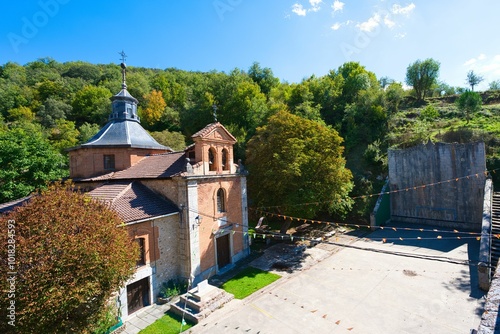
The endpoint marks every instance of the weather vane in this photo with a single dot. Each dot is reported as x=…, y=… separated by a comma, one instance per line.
x=215, y=112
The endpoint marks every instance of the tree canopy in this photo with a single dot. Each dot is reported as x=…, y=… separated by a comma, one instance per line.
x=293, y=161
x=473, y=79
x=469, y=103
x=28, y=161
x=421, y=75
x=70, y=256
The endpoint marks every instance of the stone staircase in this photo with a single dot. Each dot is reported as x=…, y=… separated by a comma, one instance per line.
x=200, y=302
x=495, y=230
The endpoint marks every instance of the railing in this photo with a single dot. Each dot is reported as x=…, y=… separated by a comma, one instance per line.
x=484, y=265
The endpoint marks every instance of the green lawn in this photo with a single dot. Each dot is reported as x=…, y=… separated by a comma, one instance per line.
x=168, y=324
x=248, y=281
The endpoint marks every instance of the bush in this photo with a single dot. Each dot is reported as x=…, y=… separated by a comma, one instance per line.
x=172, y=288
x=429, y=113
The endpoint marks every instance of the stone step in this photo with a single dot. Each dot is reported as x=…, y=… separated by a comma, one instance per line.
x=495, y=229
x=196, y=303
x=200, y=302
x=194, y=313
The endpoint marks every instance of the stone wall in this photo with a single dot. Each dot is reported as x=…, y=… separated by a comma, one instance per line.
x=168, y=264
x=438, y=184
x=490, y=321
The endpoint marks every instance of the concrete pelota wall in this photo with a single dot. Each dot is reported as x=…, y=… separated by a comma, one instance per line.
x=438, y=184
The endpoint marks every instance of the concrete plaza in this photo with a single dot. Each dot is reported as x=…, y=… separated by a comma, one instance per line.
x=413, y=282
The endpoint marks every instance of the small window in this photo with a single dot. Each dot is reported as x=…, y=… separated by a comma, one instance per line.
x=211, y=160
x=141, y=261
x=221, y=200
x=109, y=162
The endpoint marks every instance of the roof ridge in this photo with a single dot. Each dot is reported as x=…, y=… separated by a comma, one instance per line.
x=164, y=153
x=123, y=192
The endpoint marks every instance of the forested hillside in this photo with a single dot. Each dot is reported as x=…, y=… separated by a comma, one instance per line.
x=47, y=106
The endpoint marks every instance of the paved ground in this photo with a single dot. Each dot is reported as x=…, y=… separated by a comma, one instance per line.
x=144, y=318
x=405, y=285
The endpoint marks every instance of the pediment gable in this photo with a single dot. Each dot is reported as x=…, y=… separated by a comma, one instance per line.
x=214, y=132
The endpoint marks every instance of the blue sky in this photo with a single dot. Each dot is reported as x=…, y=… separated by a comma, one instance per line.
x=295, y=38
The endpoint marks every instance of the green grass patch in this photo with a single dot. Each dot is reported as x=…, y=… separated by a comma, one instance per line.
x=248, y=281
x=168, y=324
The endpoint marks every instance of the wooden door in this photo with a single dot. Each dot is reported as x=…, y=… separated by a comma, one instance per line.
x=223, y=251
x=137, y=295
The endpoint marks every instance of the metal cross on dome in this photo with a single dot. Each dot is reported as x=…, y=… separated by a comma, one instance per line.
x=124, y=56
x=123, y=66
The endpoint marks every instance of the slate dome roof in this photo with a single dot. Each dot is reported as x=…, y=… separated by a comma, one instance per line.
x=124, y=127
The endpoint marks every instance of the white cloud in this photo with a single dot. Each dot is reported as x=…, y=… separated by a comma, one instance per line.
x=299, y=9
x=388, y=19
x=488, y=67
x=400, y=35
x=315, y=5
x=338, y=6
x=370, y=25
x=473, y=61
x=336, y=26
x=470, y=62
x=388, y=22
x=397, y=9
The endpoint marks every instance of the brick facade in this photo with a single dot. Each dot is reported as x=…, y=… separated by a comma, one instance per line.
x=89, y=162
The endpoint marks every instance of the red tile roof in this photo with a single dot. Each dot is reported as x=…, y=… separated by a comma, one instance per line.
x=155, y=166
x=133, y=201
x=150, y=167
x=211, y=127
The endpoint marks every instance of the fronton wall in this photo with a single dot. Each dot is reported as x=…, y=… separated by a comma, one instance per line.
x=438, y=184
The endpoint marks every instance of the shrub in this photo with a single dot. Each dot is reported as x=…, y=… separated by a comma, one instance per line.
x=429, y=113
x=172, y=288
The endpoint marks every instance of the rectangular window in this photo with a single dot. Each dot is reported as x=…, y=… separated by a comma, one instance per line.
x=141, y=261
x=109, y=162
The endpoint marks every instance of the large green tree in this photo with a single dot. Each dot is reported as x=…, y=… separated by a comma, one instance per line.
x=92, y=105
x=28, y=161
x=469, y=103
x=263, y=77
x=70, y=257
x=52, y=110
x=294, y=161
x=172, y=139
x=356, y=80
x=421, y=75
